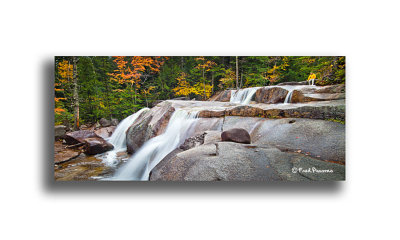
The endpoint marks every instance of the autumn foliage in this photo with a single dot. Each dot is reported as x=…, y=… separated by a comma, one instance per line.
x=115, y=87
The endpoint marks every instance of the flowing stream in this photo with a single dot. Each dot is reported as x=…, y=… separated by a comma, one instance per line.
x=243, y=96
x=118, y=138
x=290, y=89
x=154, y=150
x=180, y=126
x=288, y=97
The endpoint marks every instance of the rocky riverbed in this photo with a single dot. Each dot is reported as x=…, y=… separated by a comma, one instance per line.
x=299, y=141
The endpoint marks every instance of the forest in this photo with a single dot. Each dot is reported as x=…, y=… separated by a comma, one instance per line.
x=88, y=88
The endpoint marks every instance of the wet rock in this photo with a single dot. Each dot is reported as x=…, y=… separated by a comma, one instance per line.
x=82, y=168
x=222, y=96
x=148, y=125
x=244, y=111
x=114, y=122
x=62, y=154
x=96, y=145
x=238, y=135
x=332, y=109
x=76, y=137
x=211, y=113
x=59, y=131
x=138, y=133
x=104, y=122
x=271, y=95
x=105, y=132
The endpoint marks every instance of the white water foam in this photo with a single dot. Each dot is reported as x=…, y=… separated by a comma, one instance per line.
x=288, y=97
x=153, y=151
x=291, y=88
x=243, y=96
x=118, y=138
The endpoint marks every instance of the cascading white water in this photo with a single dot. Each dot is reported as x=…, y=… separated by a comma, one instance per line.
x=153, y=151
x=118, y=138
x=288, y=97
x=291, y=88
x=243, y=96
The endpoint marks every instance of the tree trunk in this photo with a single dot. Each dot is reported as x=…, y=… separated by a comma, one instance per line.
x=145, y=96
x=75, y=93
x=204, y=85
x=241, y=79
x=237, y=73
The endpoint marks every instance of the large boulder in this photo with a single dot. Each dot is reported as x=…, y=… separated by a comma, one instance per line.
x=228, y=161
x=222, y=96
x=104, y=122
x=238, y=135
x=105, y=132
x=59, y=131
x=138, y=133
x=148, y=125
x=271, y=95
x=79, y=136
x=324, y=140
x=96, y=145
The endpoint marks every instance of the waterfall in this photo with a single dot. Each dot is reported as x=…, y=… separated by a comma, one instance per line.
x=290, y=89
x=243, y=96
x=118, y=138
x=154, y=150
x=288, y=97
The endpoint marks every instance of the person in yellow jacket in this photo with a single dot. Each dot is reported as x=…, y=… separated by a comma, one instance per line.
x=311, y=78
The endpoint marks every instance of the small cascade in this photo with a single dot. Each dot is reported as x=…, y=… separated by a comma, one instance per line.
x=243, y=96
x=153, y=151
x=288, y=97
x=118, y=138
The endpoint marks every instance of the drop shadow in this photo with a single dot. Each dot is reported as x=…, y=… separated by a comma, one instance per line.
x=50, y=186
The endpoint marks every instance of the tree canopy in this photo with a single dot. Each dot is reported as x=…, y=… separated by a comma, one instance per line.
x=115, y=87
